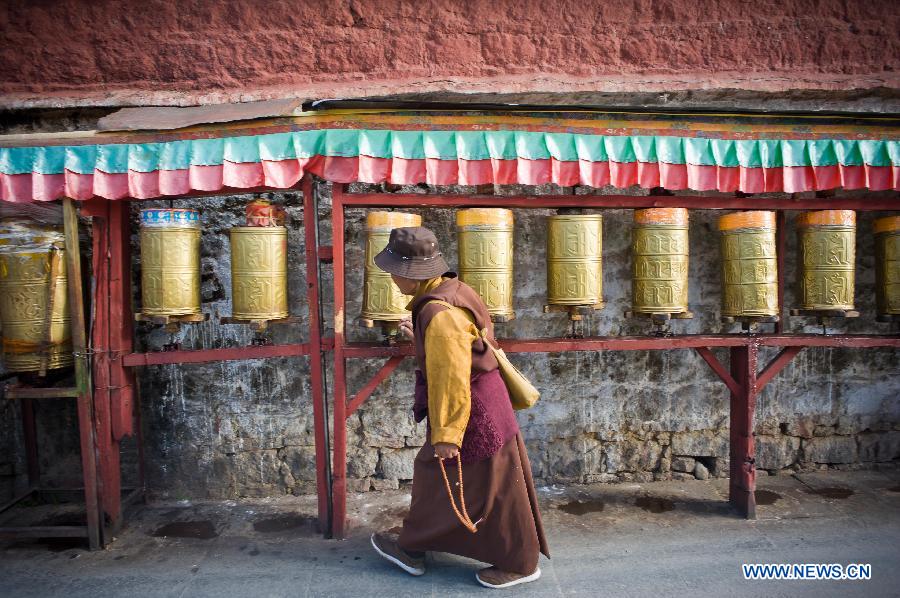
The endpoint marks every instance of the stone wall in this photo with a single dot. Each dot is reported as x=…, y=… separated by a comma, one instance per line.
x=233, y=429
x=156, y=52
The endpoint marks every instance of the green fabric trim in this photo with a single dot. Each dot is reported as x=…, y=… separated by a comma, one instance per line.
x=448, y=145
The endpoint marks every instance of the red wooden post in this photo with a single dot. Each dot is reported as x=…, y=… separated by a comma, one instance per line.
x=742, y=481
x=121, y=321
x=109, y=467
x=339, y=465
x=320, y=411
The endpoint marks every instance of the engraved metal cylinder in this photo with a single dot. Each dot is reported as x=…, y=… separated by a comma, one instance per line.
x=827, y=258
x=659, y=283
x=34, y=336
x=887, y=265
x=259, y=272
x=170, y=262
x=382, y=300
x=574, y=265
x=486, y=256
x=749, y=264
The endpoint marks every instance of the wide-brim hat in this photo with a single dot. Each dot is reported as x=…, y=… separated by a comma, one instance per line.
x=412, y=252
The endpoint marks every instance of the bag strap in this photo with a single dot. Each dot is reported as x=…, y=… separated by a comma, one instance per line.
x=483, y=331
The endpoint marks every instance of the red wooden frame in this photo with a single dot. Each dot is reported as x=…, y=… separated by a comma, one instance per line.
x=115, y=399
x=743, y=381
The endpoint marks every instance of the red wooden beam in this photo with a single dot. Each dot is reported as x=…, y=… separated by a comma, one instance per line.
x=223, y=354
x=646, y=343
x=372, y=384
x=855, y=341
x=710, y=358
x=724, y=202
x=783, y=358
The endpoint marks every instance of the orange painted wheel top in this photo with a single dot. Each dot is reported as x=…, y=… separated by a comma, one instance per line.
x=827, y=218
x=380, y=219
x=888, y=224
x=736, y=220
x=670, y=216
x=482, y=216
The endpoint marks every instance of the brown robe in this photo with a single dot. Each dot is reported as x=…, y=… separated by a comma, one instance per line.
x=499, y=489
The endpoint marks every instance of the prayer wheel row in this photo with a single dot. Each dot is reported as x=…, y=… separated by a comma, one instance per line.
x=34, y=301
x=660, y=261
x=170, y=263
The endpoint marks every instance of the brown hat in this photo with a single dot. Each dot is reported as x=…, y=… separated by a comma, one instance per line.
x=412, y=252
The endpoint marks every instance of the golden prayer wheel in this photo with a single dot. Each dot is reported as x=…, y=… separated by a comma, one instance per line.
x=827, y=258
x=887, y=265
x=574, y=266
x=659, y=283
x=259, y=272
x=486, y=256
x=170, y=262
x=36, y=326
x=382, y=300
x=749, y=265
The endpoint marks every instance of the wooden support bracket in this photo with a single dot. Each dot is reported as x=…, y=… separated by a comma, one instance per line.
x=367, y=390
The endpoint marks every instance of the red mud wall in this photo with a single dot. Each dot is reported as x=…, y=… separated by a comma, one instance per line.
x=151, y=51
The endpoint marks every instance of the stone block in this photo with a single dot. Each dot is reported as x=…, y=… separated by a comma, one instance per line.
x=683, y=464
x=397, y=464
x=302, y=462
x=700, y=471
x=830, y=449
x=573, y=458
x=879, y=446
x=379, y=484
x=776, y=452
x=386, y=426
x=632, y=455
x=361, y=462
x=701, y=443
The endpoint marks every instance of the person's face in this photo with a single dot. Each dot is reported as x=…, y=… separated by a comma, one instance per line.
x=407, y=286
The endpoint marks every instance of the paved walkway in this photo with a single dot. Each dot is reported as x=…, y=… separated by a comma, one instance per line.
x=664, y=538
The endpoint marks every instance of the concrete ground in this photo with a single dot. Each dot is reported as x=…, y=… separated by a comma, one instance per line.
x=663, y=538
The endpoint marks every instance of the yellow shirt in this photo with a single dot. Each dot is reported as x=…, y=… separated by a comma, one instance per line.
x=448, y=369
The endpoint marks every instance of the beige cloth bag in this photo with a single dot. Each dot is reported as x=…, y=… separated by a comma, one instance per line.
x=522, y=393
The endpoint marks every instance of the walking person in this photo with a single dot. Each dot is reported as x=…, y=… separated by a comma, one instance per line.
x=459, y=390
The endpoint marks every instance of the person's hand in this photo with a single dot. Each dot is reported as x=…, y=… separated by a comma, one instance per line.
x=445, y=450
x=406, y=329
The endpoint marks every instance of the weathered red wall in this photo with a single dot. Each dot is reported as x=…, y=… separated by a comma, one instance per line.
x=71, y=51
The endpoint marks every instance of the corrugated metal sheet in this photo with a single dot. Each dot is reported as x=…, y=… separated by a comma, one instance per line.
x=158, y=118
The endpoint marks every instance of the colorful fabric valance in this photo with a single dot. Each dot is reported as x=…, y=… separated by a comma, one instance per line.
x=466, y=154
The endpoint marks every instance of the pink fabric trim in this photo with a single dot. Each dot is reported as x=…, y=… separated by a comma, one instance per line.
x=702, y=178
x=593, y=174
x=374, y=170
x=441, y=172
x=242, y=175
x=407, y=172
x=673, y=176
x=533, y=172
x=565, y=174
x=622, y=174
x=286, y=173
x=504, y=171
x=475, y=172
